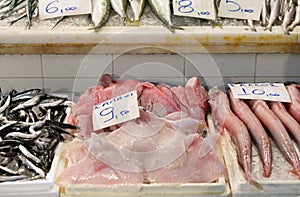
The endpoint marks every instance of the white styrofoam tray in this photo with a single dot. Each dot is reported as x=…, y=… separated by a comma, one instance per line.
x=34, y=185
x=218, y=188
x=280, y=183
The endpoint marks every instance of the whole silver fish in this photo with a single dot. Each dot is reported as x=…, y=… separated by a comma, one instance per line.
x=289, y=14
x=137, y=7
x=100, y=12
x=296, y=21
x=278, y=131
x=120, y=6
x=162, y=10
x=275, y=10
x=265, y=12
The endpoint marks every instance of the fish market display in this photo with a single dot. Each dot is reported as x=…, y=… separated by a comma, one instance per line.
x=285, y=13
x=265, y=120
x=31, y=125
x=168, y=143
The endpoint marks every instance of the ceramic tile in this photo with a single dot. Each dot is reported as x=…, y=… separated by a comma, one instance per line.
x=76, y=65
x=20, y=66
x=140, y=66
x=278, y=65
x=20, y=84
x=220, y=65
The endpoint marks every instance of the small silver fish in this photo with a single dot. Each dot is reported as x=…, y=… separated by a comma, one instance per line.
x=251, y=25
x=120, y=6
x=100, y=12
x=162, y=10
x=289, y=14
x=28, y=154
x=297, y=18
x=137, y=7
x=275, y=10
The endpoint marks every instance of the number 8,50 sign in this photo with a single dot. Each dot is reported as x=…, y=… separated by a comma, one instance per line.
x=56, y=8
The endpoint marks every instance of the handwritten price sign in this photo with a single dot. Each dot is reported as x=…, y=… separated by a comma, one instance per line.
x=241, y=9
x=116, y=110
x=195, y=8
x=57, y=8
x=263, y=91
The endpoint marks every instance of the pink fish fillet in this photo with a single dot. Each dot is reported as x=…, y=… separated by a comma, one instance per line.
x=280, y=134
x=294, y=107
x=287, y=120
x=154, y=100
x=257, y=131
x=224, y=118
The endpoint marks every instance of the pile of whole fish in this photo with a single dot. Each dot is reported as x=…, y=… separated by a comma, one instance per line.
x=31, y=127
x=274, y=12
x=257, y=119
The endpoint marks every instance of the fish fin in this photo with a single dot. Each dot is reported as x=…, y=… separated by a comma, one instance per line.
x=256, y=184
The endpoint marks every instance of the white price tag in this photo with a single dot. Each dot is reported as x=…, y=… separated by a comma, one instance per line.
x=195, y=8
x=262, y=91
x=240, y=9
x=116, y=110
x=57, y=8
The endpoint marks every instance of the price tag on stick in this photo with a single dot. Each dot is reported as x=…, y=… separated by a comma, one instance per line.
x=240, y=9
x=262, y=91
x=56, y=8
x=195, y=8
x=116, y=110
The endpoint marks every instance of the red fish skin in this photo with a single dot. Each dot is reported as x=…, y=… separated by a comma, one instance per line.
x=225, y=118
x=294, y=107
x=278, y=131
x=257, y=131
x=287, y=120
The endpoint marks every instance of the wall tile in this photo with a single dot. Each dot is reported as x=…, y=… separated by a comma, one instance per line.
x=220, y=65
x=20, y=84
x=278, y=65
x=20, y=66
x=278, y=79
x=76, y=65
x=140, y=66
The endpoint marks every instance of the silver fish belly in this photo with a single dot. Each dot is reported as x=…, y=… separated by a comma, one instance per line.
x=137, y=7
x=100, y=12
x=120, y=6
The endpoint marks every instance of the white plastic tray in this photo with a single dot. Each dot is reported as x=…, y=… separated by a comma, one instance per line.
x=33, y=185
x=280, y=183
x=218, y=188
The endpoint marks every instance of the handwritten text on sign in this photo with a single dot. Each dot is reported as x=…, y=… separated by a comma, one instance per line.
x=195, y=8
x=241, y=9
x=263, y=91
x=116, y=110
x=57, y=8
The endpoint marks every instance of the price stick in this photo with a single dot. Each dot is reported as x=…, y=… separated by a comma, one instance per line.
x=262, y=91
x=56, y=8
x=240, y=9
x=195, y=8
x=116, y=110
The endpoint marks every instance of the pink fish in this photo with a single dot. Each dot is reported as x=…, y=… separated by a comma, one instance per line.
x=280, y=134
x=294, y=107
x=287, y=120
x=257, y=131
x=224, y=118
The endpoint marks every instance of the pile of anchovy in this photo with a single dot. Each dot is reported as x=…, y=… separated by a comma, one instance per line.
x=31, y=127
x=274, y=12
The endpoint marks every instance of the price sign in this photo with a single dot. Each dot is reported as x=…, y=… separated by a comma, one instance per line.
x=263, y=91
x=241, y=9
x=116, y=110
x=56, y=8
x=195, y=8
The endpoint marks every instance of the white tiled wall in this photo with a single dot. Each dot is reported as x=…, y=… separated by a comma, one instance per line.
x=74, y=73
